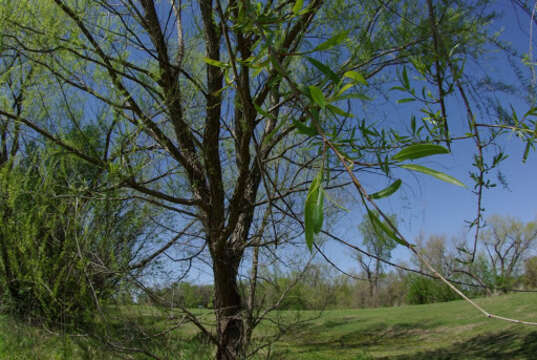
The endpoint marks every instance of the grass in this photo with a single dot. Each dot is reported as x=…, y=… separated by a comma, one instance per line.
x=451, y=330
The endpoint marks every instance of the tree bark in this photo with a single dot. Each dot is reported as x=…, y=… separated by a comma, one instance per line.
x=228, y=305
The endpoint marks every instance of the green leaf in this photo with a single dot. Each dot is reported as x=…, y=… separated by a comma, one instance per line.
x=387, y=191
x=355, y=96
x=324, y=69
x=319, y=211
x=276, y=64
x=333, y=41
x=317, y=96
x=336, y=203
x=304, y=129
x=298, y=6
x=214, y=62
x=406, y=83
x=531, y=112
x=263, y=112
x=527, y=149
x=338, y=111
x=405, y=100
x=313, y=212
x=435, y=173
x=380, y=226
x=344, y=88
x=418, y=151
x=356, y=76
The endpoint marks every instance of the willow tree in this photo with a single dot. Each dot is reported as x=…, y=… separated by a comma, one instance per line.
x=203, y=101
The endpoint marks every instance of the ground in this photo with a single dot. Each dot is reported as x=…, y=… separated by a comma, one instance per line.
x=451, y=330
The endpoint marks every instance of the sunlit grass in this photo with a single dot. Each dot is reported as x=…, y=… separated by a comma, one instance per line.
x=451, y=330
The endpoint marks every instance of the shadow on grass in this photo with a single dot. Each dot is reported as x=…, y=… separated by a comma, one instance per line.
x=141, y=337
x=374, y=334
x=504, y=345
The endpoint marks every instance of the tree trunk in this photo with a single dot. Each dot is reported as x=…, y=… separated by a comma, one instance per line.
x=228, y=306
x=370, y=283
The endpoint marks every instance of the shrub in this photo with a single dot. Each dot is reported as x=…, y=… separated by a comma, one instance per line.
x=422, y=290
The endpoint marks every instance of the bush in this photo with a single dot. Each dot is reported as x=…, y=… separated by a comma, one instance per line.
x=422, y=290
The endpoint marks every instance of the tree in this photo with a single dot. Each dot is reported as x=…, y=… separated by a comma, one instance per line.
x=378, y=243
x=530, y=273
x=435, y=250
x=507, y=242
x=217, y=111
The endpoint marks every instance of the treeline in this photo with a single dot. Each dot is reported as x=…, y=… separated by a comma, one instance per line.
x=320, y=287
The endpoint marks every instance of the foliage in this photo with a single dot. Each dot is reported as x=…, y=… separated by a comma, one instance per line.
x=62, y=255
x=182, y=295
x=20, y=340
x=508, y=243
x=530, y=273
x=379, y=245
x=422, y=290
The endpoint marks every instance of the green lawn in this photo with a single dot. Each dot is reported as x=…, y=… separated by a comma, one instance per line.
x=439, y=331
x=453, y=330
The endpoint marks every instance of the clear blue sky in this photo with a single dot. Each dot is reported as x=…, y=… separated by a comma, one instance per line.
x=425, y=204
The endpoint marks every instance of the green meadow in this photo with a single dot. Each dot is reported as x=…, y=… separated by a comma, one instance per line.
x=452, y=330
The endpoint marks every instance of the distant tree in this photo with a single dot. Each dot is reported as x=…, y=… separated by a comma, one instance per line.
x=379, y=244
x=530, y=273
x=436, y=252
x=507, y=242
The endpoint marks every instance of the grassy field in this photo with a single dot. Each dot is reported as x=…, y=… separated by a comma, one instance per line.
x=439, y=331
x=451, y=330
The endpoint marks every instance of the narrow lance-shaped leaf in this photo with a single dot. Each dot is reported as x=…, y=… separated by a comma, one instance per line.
x=405, y=100
x=435, y=173
x=313, y=212
x=319, y=211
x=418, y=151
x=304, y=129
x=317, y=96
x=380, y=226
x=333, y=41
x=338, y=111
x=354, y=96
x=324, y=69
x=406, y=83
x=527, y=149
x=214, y=62
x=356, y=77
x=387, y=191
x=344, y=88
x=298, y=6
x=263, y=112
